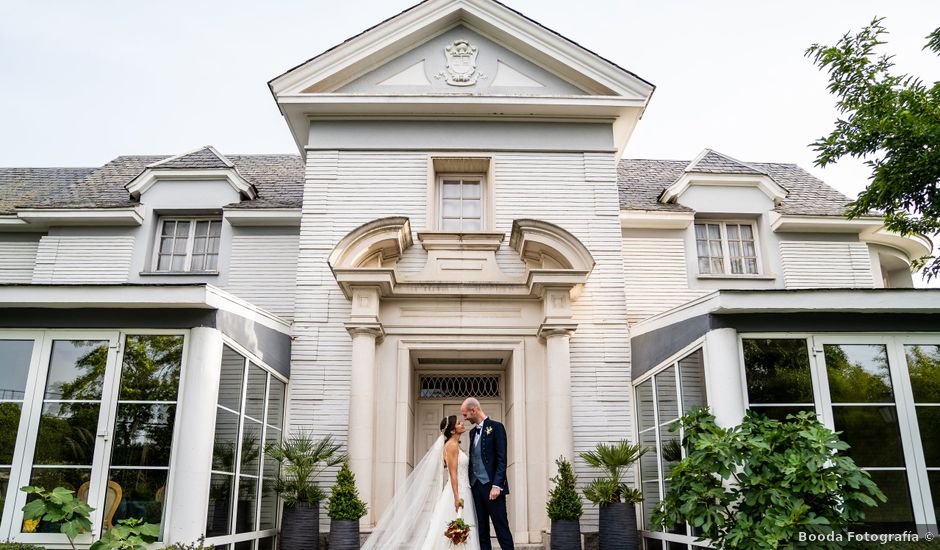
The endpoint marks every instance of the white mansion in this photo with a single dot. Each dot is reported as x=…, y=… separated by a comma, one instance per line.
x=459, y=221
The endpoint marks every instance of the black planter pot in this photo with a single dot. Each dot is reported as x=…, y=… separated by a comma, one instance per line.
x=566, y=534
x=344, y=534
x=617, y=529
x=300, y=527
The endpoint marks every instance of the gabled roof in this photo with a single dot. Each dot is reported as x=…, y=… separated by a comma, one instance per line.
x=710, y=161
x=204, y=157
x=278, y=179
x=642, y=181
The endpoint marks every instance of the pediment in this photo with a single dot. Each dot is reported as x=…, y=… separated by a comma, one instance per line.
x=393, y=50
x=487, y=68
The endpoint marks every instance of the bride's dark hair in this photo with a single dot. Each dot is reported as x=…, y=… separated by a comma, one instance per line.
x=449, y=425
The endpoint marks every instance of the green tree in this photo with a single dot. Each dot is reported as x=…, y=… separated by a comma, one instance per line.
x=344, y=501
x=757, y=485
x=563, y=500
x=892, y=121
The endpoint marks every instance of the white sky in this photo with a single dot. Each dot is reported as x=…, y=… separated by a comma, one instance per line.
x=83, y=82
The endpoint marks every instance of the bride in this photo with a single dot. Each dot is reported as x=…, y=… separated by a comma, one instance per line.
x=421, y=510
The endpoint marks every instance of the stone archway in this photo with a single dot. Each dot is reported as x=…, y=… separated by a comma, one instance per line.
x=461, y=269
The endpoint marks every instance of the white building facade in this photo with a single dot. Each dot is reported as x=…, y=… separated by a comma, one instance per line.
x=459, y=222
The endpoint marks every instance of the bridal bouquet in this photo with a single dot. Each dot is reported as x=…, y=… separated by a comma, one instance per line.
x=457, y=530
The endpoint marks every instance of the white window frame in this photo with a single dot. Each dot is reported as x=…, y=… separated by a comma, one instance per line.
x=726, y=248
x=908, y=428
x=650, y=376
x=101, y=463
x=253, y=536
x=190, y=243
x=481, y=176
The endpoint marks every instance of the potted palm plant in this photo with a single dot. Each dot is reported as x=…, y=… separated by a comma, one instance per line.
x=564, y=509
x=302, y=458
x=345, y=508
x=617, y=529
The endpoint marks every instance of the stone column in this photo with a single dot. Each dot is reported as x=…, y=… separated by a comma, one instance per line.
x=560, y=437
x=366, y=331
x=557, y=328
x=189, y=486
x=723, y=373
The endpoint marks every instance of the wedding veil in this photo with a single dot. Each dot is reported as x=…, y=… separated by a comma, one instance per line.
x=406, y=520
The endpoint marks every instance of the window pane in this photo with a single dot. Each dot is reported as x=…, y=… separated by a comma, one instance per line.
x=692, y=380
x=220, y=505
x=151, y=367
x=472, y=209
x=450, y=225
x=472, y=225
x=202, y=228
x=872, y=433
x=143, y=435
x=182, y=229
x=934, y=480
x=667, y=398
x=649, y=463
x=180, y=245
x=732, y=232
x=266, y=544
x=4, y=484
x=714, y=231
x=76, y=369
x=245, y=520
x=268, y=505
x=858, y=373
x=215, y=230
x=276, y=403
x=257, y=387
x=212, y=262
x=895, y=515
x=747, y=232
x=67, y=433
x=14, y=367
x=143, y=494
x=230, y=382
x=777, y=371
x=700, y=232
x=251, y=447
x=451, y=189
x=226, y=432
x=169, y=228
x=9, y=426
x=451, y=208
x=471, y=190
x=923, y=362
x=271, y=467
x=928, y=418
x=644, y=403
x=178, y=263
x=164, y=263
x=650, y=499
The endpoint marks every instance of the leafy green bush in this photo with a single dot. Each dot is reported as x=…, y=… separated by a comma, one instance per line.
x=302, y=458
x=344, y=502
x=614, y=459
x=19, y=546
x=58, y=506
x=198, y=545
x=757, y=485
x=128, y=534
x=563, y=500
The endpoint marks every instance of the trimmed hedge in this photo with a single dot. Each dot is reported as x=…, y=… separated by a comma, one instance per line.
x=19, y=546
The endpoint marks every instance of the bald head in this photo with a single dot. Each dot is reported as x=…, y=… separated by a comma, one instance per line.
x=471, y=410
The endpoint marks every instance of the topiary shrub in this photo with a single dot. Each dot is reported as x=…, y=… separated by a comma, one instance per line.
x=563, y=500
x=344, y=503
x=758, y=485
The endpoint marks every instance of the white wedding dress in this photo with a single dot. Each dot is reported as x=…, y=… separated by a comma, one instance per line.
x=444, y=510
x=423, y=507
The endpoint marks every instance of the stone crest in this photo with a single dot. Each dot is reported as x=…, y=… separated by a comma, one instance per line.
x=461, y=65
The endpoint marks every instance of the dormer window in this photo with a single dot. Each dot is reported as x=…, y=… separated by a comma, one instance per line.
x=189, y=244
x=726, y=247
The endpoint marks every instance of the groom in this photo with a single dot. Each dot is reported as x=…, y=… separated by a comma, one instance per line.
x=488, y=475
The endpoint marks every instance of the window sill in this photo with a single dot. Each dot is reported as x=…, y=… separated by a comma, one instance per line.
x=179, y=273
x=739, y=277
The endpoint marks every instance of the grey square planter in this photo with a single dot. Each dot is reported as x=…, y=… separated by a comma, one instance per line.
x=344, y=534
x=617, y=528
x=566, y=534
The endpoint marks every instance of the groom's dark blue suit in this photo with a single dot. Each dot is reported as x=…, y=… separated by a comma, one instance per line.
x=491, y=450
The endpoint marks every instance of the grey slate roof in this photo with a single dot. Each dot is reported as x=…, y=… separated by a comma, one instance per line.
x=278, y=179
x=713, y=162
x=642, y=181
x=206, y=157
